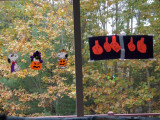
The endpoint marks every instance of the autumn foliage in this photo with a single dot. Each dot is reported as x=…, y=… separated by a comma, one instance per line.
x=128, y=86
x=31, y=26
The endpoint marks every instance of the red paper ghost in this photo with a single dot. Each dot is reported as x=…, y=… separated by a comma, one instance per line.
x=114, y=45
x=141, y=46
x=131, y=45
x=97, y=49
x=107, y=46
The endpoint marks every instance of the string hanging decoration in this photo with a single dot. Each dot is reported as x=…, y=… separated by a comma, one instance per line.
x=36, y=61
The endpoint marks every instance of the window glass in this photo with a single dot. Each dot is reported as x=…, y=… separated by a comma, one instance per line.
x=37, y=72
x=121, y=86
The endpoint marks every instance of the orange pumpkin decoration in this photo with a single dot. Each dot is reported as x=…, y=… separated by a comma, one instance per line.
x=115, y=45
x=141, y=46
x=131, y=45
x=62, y=62
x=35, y=65
x=107, y=46
x=97, y=49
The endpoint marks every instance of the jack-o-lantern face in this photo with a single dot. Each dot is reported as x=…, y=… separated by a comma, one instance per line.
x=36, y=65
x=97, y=49
x=62, y=62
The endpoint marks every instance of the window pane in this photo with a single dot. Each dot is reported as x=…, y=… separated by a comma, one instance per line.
x=121, y=86
x=37, y=77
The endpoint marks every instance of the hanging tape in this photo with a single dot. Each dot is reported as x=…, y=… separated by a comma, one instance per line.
x=122, y=47
x=90, y=60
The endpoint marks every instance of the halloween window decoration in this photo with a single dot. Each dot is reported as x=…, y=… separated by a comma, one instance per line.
x=131, y=45
x=115, y=45
x=36, y=61
x=97, y=49
x=121, y=47
x=12, y=59
x=107, y=46
x=62, y=59
x=141, y=46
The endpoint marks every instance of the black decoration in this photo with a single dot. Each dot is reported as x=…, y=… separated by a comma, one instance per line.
x=142, y=47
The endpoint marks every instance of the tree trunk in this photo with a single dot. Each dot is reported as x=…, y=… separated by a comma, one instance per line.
x=106, y=68
x=52, y=111
x=132, y=20
x=115, y=69
x=129, y=80
x=128, y=30
x=57, y=110
x=112, y=25
x=117, y=18
x=138, y=19
x=106, y=19
x=124, y=73
x=82, y=32
x=150, y=102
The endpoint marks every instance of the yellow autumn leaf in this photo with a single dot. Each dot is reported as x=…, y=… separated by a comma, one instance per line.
x=23, y=60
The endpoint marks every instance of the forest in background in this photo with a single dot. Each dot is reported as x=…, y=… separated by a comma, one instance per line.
x=47, y=26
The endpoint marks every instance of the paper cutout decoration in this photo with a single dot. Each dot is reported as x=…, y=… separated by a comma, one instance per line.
x=106, y=51
x=114, y=47
x=131, y=45
x=107, y=46
x=36, y=65
x=12, y=59
x=141, y=46
x=62, y=59
x=62, y=62
x=97, y=49
x=36, y=61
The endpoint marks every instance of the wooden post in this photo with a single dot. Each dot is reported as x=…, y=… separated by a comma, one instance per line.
x=78, y=58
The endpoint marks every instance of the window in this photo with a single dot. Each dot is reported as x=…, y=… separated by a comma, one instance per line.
x=43, y=88
x=121, y=86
